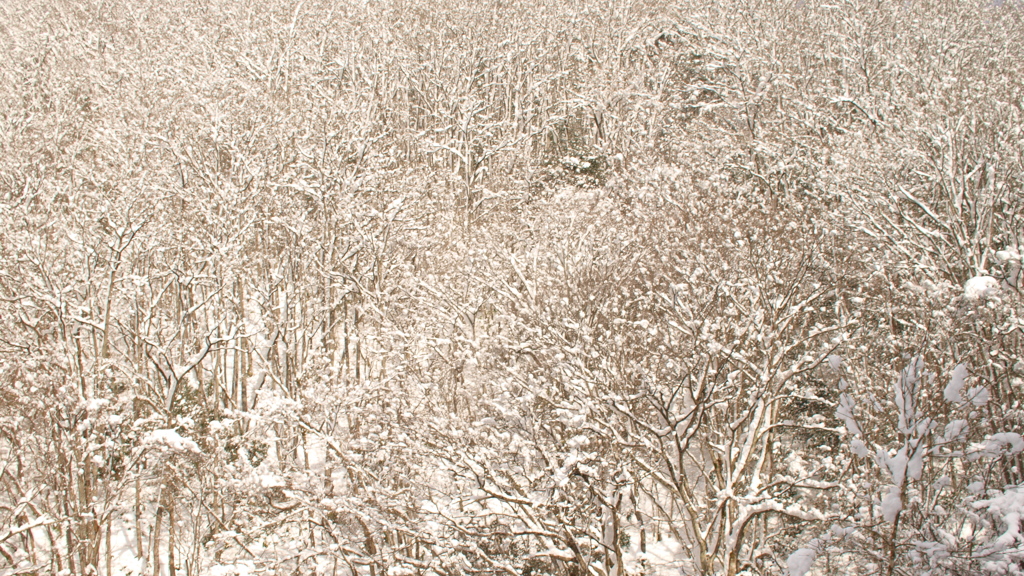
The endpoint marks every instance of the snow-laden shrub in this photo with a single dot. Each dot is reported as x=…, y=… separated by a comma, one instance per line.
x=934, y=490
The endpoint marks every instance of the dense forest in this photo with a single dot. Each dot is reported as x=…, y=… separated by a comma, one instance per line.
x=531, y=287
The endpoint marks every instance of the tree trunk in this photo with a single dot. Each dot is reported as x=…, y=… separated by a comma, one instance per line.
x=170, y=538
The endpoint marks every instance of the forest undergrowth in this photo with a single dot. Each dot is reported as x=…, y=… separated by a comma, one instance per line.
x=529, y=288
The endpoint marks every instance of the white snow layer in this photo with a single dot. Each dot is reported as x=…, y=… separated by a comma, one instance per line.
x=955, y=430
x=892, y=504
x=845, y=413
x=661, y=558
x=898, y=466
x=979, y=395
x=240, y=568
x=858, y=447
x=1006, y=255
x=916, y=463
x=799, y=562
x=952, y=393
x=997, y=442
x=1009, y=507
x=835, y=361
x=170, y=439
x=981, y=287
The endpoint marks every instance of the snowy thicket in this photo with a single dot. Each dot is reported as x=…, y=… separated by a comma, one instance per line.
x=390, y=288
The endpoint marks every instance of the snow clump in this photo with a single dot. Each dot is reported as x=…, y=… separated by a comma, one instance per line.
x=892, y=504
x=799, y=562
x=170, y=439
x=952, y=393
x=981, y=287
